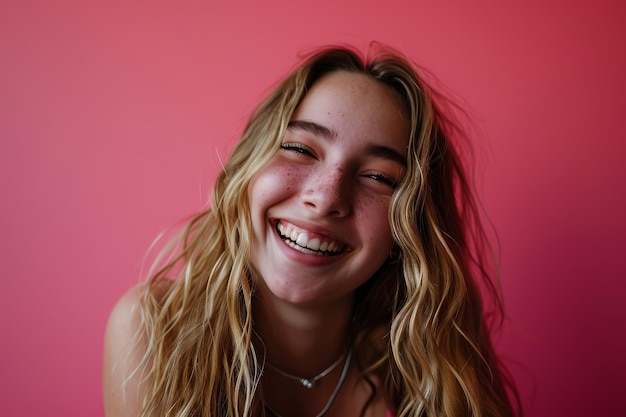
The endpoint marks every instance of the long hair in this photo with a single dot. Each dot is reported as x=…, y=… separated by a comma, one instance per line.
x=434, y=357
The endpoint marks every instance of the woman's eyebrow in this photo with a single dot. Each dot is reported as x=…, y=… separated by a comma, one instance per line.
x=386, y=152
x=313, y=128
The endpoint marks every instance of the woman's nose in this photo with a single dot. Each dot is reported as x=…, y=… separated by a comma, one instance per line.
x=327, y=192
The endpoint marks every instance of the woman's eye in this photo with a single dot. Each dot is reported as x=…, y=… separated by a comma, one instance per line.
x=383, y=179
x=299, y=149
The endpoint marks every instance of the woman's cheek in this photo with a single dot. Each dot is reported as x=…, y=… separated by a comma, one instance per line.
x=278, y=179
x=372, y=211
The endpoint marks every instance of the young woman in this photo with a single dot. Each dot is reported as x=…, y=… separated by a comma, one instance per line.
x=338, y=271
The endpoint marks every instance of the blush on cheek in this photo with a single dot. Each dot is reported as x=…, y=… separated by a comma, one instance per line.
x=374, y=209
x=373, y=213
x=285, y=172
x=274, y=182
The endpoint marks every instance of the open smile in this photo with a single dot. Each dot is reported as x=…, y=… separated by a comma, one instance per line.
x=308, y=242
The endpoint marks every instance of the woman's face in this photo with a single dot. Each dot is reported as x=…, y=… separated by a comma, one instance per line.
x=320, y=207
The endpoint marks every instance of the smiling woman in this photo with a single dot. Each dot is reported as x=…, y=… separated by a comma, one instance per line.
x=333, y=274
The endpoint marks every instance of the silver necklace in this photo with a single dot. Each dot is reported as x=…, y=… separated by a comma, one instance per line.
x=308, y=382
x=333, y=396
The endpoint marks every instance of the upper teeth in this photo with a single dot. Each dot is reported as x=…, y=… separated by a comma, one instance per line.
x=301, y=238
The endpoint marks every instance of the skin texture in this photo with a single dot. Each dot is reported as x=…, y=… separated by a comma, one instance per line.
x=119, y=360
x=123, y=390
x=332, y=179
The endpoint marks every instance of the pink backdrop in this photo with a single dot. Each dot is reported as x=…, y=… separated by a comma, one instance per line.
x=113, y=114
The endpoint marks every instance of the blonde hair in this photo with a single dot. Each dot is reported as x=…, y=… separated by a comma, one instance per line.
x=435, y=357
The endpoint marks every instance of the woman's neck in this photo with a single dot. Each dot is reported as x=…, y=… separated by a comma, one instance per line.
x=306, y=342
x=303, y=340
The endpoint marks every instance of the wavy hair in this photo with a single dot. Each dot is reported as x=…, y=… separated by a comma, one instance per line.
x=435, y=355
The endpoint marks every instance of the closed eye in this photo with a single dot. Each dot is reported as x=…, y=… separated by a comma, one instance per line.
x=383, y=179
x=299, y=148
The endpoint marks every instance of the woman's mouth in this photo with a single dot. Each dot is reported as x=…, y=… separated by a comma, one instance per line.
x=307, y=242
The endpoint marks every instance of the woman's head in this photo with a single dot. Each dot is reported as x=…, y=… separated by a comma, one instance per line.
x=266, y=130
x=320, y=206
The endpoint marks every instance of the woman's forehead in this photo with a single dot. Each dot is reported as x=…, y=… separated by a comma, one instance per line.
x=354, y=104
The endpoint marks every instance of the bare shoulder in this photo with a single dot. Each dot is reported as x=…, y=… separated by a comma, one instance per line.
x=123, y=354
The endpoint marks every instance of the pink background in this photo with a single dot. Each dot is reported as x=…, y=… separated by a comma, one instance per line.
x=114, y=114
